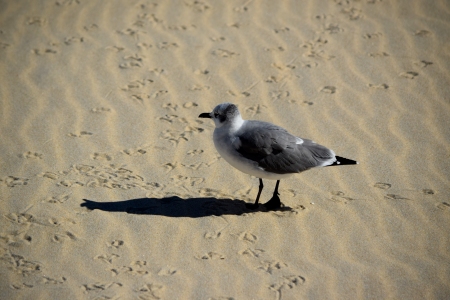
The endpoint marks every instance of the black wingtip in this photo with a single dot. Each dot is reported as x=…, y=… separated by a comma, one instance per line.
x=342, y=161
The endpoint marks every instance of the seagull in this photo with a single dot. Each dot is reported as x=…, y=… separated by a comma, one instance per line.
x=265, y=150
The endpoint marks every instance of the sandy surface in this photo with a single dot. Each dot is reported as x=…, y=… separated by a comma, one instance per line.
x=99, y=101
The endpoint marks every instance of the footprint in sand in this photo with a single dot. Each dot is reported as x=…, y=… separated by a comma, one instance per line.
x=130, y=65
x=282, y=30
x=170, y=106
x=31, y=155
x=181, y=27
x=444, y=206
x=271, y=266
x=251, y=252
x=115, y=48
x=116, y=244
x=212, y=235
x=309, y=64
x=91, y=27
x=395, y=197
x=277, y=49
x=167, y=271
x=287, y=282
x=37, y=21
x=62, y=237
x=190, y=105
x=201, y=72
x=158, y=94
x=21, y=265
x=423, y=63
x=422, y=33
x=151, y=291
x=170, y=166
x=224, y=53
x=48, y=280
x=100, y=286
x=193, y=166
x=328, y=90
x=167, y=46
x=370, y=36
x=45, y=51
x=248, y=237
x=217, y=39
x=197, y=6
x=70, y=183
x=137, y=84
x=306, y=103
x=12, y=181
x=21, y=218
x=158, y=71
x=67, y=2
x=129, y=270
x=100, y=110
x=255, y=109
x=382, y=185
x=340, y=197
x=409, y=75
x=274, y=79
x=279, y=95
x=212, y=193
x=211, y=256
x=197, y=87
x=382, y=86
x=73, y=40
x=283, y=67
x=107, y=258
x=322, y=17
x=168, y=118
x=20, y=286
x=183, y=181
x=428, y=191
x=4, y=45
x=378, y=54
x=79, y=134
x=287, y=211
x=101, y=156
x=135, y=151
x=174, y=136
x=61, y=221
x=139, y=263
x=238, y=94
x=16, y=238
x=333, y=29
x=352, y=13
x=195, y=152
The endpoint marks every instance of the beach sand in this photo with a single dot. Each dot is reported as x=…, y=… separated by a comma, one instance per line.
x=111, y=187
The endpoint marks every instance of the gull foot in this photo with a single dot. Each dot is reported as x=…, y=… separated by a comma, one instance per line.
x=273, y=203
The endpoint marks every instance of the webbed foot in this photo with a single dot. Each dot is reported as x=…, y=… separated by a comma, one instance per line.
x=273, y=203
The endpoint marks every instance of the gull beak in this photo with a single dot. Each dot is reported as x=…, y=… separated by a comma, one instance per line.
x=205, y=115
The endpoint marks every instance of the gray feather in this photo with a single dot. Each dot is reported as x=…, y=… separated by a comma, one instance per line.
x=276, y=150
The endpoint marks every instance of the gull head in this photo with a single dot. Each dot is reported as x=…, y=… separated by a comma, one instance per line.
x=225, y=114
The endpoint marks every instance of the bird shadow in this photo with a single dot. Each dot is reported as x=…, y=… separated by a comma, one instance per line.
x=176, y=207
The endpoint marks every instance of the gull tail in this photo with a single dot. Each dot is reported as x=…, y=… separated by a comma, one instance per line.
x=342, y=161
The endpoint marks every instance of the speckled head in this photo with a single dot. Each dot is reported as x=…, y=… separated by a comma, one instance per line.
x=224, y=113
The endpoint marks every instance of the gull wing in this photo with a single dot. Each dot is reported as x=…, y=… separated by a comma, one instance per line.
x=277, y=151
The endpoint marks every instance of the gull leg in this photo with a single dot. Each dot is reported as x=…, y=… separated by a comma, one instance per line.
x=255, y=205
x=275, y=202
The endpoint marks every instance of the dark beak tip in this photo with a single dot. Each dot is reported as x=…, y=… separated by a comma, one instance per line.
x=205, y=115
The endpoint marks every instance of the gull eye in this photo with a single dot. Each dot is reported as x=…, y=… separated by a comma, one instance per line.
x=216, y=115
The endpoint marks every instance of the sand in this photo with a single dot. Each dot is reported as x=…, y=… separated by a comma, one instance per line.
x=111, y=187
